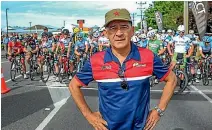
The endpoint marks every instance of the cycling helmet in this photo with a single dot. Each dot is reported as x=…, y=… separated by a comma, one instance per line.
x=50, y=34
x=137, y=32
x=76, y=30
x=143, y=36
x=80, y=35
x=181, y=28
x=191, y=31
x=44, y=34
x=65, y=31
x=163, y=31
x=151, y=33
x=13, y=39
x=169, y=31
x=96, y=34
x=102, y=29
x=150, y=28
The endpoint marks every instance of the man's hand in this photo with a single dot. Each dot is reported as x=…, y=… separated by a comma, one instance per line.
x=152, y=120
x=95, y=119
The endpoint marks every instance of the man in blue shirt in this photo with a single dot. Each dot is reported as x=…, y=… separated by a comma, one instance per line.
x=122, y=73
x=5, y=42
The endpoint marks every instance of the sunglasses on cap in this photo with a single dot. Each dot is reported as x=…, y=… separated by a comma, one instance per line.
x=124, y=84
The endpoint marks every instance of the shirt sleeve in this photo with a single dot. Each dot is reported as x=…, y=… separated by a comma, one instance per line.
x=160, y=70
x=85, y=76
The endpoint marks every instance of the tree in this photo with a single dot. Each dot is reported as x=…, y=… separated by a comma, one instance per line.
x=172, y=12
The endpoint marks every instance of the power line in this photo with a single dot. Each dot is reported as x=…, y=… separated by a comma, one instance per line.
x=141, y=9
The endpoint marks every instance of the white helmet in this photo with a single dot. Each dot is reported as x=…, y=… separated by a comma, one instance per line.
x=143, y=36
x=150, y=28
x=191, y=31
x=151, y=33
x=163, y=31
x=169, y=31
x=137, y=32
x=102, y=29
x=181, y=28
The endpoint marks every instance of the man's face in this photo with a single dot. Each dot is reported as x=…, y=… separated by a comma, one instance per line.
x=80, y=38
x=182, y=33
x=169, y=33
x=119, y=33
x=44, y=38
x=65, y=36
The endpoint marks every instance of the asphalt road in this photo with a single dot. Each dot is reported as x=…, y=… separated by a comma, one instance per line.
x=36, y=105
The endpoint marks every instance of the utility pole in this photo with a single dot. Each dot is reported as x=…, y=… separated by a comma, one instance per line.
x=133, y=18
x=30, y=26
x=141, y=9
x=7, y=20
x=186, y=16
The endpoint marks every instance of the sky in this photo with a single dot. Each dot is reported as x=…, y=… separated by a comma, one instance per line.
x=54, y=13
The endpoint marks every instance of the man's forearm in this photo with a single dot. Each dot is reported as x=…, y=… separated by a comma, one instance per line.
x=167, y=92
x=79, y=100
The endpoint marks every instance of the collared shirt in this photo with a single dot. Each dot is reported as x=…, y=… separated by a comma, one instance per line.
x=123, y=109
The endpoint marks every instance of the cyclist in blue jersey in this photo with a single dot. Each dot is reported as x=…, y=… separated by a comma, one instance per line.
x=143, y=41
x=81, y=46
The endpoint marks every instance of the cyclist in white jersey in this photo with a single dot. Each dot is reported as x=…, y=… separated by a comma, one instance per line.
x=183, y=47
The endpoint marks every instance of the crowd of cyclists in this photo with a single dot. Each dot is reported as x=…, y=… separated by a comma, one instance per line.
x=64, y=54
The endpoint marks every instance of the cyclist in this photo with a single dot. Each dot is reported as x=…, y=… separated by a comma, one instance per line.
x=65, y=48
x=183, y=47
x=81, y=47
x=15, y=48
x=94, y=43
x=45, y=47
x=34, y=47
x=103, y=41
x=155, y=45
x=135, y=38
x=206, y=49
x=143, y=41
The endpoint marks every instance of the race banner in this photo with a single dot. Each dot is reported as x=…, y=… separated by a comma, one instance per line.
x=200, y=12
x=145, y=25
x=159, y=20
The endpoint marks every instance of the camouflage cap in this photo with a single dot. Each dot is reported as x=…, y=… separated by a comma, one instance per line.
x=117, y=14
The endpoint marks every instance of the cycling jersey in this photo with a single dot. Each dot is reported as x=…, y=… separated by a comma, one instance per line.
x=155, y=45
x=94, y=42
x=181, y=44
x=167, y=40
x=65, y=41
x=33, y=44
x=143, y=43
x=46, y=44
x=205, y=49
x=16, y=46
x=81, y=45
x=103, y=40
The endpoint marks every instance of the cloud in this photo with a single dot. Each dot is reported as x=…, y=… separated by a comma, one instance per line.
x=54, y=12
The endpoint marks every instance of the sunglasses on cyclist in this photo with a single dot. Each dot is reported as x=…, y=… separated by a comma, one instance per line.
x=124, y=84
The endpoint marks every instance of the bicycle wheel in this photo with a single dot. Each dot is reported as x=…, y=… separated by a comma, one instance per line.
x=32, y=70
x=205, y=75
x=13, y=70
x=61, y=74
x=46, y=71
x=181, y=84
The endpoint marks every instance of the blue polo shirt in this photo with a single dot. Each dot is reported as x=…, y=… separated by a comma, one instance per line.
x=123, y=109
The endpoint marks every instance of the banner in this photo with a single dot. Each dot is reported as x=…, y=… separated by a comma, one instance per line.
x=159, y=20
x=200, y=12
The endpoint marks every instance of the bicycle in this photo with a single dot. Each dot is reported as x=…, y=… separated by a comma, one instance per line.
x=46, y=67
x=16, y=67
x=82, y=60
x=204, y=68
x=189, y=67
x=182, y=78
x=64, y=69
x=33, y=66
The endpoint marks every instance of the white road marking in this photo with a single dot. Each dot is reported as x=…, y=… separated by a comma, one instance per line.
x=207, y=91
x=57, y=105
x=5, y=61
x=201, y=92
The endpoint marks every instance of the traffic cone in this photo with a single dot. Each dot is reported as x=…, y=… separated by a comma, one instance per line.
x=4, y=88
